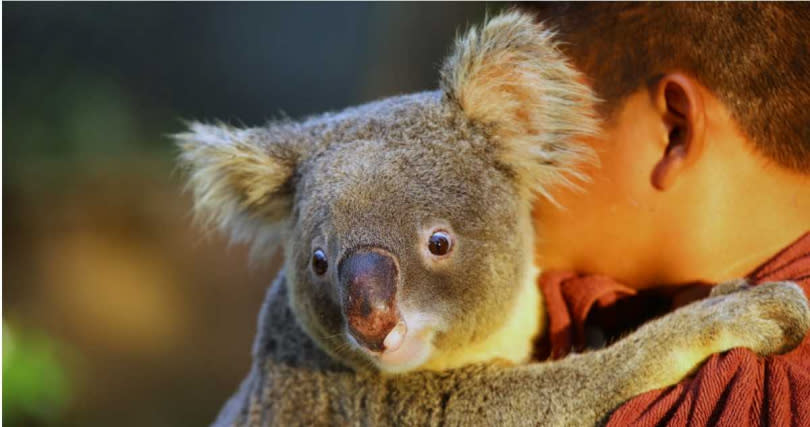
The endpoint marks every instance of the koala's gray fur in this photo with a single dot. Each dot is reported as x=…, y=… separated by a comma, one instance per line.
x=467, y=159
x=292, y=382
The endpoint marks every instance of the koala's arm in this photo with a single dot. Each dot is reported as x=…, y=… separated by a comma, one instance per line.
x=581, y=389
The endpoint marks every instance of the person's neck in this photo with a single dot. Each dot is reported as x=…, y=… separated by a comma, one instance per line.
x=767, y=209
x=775, y=212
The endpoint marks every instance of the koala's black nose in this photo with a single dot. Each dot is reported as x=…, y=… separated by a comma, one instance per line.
x=369, y=279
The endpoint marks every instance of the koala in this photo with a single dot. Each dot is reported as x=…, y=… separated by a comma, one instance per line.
x=408, y=293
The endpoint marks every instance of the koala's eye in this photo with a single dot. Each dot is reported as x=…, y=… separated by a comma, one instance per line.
x=319, y=263
x=440, y=243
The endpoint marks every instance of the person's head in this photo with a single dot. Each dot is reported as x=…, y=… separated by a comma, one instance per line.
x=705, y=146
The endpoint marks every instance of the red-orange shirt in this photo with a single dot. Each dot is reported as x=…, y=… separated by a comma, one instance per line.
x=735, y=388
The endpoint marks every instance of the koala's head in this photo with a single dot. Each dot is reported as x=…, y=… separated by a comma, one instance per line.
x=406, y=222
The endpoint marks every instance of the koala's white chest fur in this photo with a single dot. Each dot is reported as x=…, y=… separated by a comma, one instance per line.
x=513, y=342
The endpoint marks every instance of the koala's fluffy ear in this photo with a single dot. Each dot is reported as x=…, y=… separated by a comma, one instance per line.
x=241, y=179
x=511, y=77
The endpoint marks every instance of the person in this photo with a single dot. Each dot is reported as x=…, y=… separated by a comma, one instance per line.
x=704, y=177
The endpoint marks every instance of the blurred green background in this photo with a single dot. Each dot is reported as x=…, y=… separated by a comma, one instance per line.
x=116, y=310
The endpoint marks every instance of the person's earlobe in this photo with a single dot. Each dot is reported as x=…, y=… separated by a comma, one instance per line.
x=679, y=101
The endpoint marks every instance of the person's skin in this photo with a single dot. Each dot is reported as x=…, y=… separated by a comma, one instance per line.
x=680, y=196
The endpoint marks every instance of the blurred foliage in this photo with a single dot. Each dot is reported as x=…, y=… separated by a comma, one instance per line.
x=35, y=386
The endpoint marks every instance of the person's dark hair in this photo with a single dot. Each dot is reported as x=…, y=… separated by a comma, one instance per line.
x=755, y=57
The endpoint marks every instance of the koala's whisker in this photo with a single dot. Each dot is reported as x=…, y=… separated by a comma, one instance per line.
x=337, y=341
x=337, y=335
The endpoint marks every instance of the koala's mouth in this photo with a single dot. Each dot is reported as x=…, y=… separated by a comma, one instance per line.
x=413, y=349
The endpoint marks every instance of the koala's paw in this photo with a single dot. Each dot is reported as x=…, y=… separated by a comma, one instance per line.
x=769, y=318
x=729, y=287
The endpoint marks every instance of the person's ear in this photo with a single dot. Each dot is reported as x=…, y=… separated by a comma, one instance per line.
x=678, y=99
